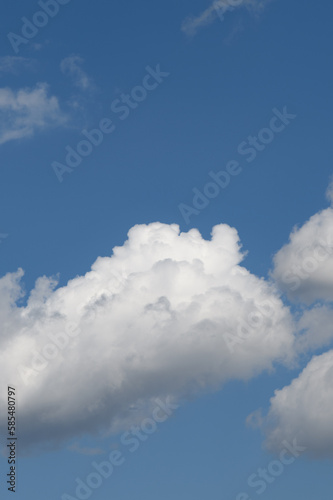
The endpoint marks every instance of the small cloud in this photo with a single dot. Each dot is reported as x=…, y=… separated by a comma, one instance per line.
x=255, y=420
x=236, y=30
x=27, y=110
x=217, y=9
x=192, y=24
x=329, y=192
x=303, y=409
x=71, y=66
x=3, y=237
x=14, y=64
x=37, y=46
x=85, y=450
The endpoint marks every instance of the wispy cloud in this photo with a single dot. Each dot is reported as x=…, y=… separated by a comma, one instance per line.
x=329, y=192
x=192, y=24
x=217, y=9
x=27, y=110
x=85, y=450
x=14, y=64
x=71, y=66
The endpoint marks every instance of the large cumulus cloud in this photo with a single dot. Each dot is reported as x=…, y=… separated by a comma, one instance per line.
x=168, y=314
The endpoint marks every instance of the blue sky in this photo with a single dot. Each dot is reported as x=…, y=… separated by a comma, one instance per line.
x=222, y=82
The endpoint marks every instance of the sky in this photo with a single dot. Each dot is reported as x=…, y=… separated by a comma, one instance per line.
x=166, y=249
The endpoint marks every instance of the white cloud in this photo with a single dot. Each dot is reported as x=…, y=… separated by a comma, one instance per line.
x=329, y=192
x=14, y=64
x=85, y=450
x=304, y=409
x=148, y=322
x=192, y=24
x=303, y=268
x=217, y=9
x=26, y=111
x=71, y=66
x=316, y=329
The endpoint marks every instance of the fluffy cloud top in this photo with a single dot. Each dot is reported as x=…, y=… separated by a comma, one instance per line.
x=304, y=409
x=168, y=314
x=26, y=111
